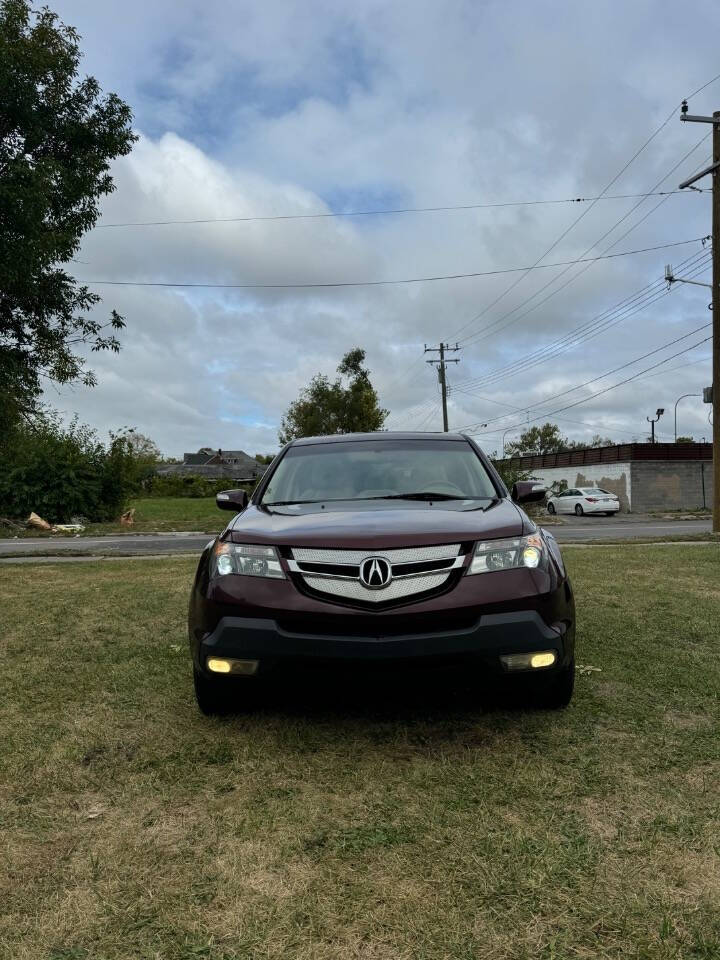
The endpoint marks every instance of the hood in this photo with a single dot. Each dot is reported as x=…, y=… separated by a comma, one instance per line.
x=375, y=525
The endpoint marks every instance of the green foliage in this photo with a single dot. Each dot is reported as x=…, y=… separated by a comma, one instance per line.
x=194, y=488
x=536, y=440
x=58, y=135
x=597, y=441
x=509, y=473
x=685, y=440
x=62, y=471
x=326, y=407
x=548, y=439
x=264, y=457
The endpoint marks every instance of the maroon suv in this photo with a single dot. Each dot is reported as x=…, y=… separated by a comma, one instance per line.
x=381, y=548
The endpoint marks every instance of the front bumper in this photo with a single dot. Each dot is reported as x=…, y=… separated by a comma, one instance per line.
x=482, y=643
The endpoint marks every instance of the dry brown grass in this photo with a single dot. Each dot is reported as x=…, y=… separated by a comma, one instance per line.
x=407, y=826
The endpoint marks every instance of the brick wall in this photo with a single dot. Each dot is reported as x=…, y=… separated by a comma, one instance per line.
x=663, y=485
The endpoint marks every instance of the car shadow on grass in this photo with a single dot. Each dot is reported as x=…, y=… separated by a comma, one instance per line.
x=449, y=698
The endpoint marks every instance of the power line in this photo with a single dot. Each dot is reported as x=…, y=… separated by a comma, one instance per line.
x=565, y=232
x=632, y=159
x=622, y=310
x=588, y=209
x=493, y=205
x=379, y=283
x=581, y=334
x=608, y=373
x=488, y=329
x=599, y=393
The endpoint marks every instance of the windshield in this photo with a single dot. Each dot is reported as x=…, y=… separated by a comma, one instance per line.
x=369, y=469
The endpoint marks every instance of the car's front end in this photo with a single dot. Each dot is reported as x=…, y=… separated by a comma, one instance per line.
x=378, y=580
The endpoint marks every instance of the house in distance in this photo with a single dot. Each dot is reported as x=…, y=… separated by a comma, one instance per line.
x=218, y=464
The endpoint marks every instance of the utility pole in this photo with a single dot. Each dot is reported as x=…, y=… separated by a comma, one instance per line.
x=713, y=169
x=441, y=366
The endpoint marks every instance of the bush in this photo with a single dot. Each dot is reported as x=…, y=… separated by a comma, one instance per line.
x=510, y=473
x=173, y=485
x=64, y=471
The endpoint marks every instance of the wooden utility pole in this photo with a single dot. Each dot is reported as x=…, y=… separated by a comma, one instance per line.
x=441, y=365
x=714, y=170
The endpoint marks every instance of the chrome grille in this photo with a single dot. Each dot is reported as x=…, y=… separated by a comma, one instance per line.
x=341, y=579
x=355, y=557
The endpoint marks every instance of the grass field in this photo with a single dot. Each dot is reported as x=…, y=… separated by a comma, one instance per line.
x=160, y=514
x=330, y=829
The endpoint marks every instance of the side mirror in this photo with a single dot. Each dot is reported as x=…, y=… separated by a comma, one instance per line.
x=235, y=500
x=528, y=491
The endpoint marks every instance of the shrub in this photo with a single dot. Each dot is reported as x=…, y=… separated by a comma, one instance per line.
x=63, y=471
x=174, y=485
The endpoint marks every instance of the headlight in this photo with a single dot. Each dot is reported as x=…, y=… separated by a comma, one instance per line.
x=248, y=560
x=508, y=554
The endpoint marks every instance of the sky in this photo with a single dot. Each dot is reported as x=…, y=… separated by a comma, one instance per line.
x=283, y=109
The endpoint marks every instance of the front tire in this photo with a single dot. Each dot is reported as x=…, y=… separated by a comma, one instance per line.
x=578, y=510
x=214, y=695
x=551, y=508
x=555, y=692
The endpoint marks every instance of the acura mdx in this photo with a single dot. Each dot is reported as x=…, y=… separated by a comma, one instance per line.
x=381, y=549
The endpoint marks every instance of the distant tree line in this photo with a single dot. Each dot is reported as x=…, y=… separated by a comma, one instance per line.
x=548, y=439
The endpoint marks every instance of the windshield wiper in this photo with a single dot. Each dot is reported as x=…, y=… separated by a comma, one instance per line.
x=286, y=503
x=421, y=495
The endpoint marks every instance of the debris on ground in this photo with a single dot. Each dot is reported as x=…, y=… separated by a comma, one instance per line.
x=128, y=518
x=12, y=524
x=585, y=669
x=38, y=523
x=69, y=527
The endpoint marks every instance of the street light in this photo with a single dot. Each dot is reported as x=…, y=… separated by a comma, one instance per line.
x=653, y=420
x=677, y=402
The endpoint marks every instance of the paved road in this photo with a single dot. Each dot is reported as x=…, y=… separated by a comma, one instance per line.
x=572, y=530
x=578, y=529
x=136, y=544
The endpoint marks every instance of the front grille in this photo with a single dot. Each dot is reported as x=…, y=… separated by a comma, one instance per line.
x=414, y=571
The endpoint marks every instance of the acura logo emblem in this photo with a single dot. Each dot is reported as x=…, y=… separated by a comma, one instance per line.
x=375, y=572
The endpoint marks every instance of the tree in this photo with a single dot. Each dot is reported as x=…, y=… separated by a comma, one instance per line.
x=264, y=458
x=537, y=440
x=326, y=407
x=62, y=471
x=548, y=439
x=58, y=135
x=596, y=441
x=685, y=440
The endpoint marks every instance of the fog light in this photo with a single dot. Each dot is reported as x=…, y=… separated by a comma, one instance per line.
x=546, y=659
x=221, y=665
x=218, y=666
x=528, y=661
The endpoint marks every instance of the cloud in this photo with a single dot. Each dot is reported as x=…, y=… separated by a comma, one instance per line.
x=291, y=108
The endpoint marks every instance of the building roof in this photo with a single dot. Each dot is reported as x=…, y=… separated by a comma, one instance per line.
x=208, y=455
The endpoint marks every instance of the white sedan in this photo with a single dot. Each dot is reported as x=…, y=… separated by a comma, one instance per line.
x=580, y=500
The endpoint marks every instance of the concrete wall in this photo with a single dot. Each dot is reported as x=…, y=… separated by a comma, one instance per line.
x=642, y=485
x=664, y=485
x=615, y=477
